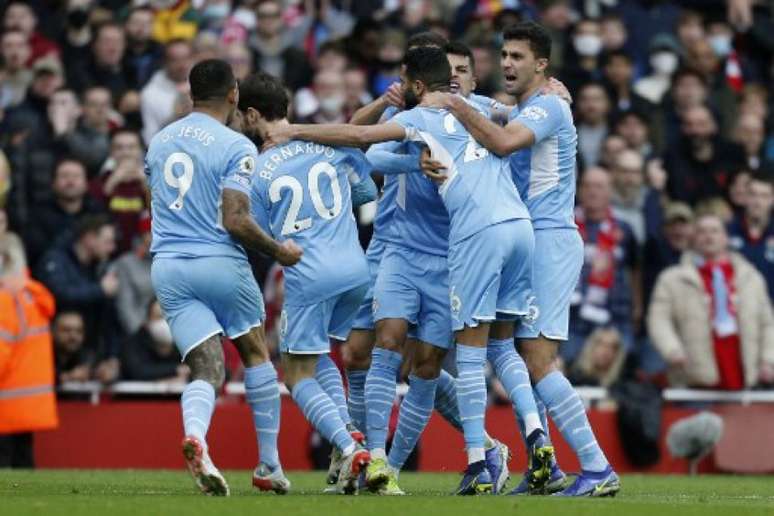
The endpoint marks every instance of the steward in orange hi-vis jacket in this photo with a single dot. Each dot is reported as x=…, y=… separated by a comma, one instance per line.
x=27, y=399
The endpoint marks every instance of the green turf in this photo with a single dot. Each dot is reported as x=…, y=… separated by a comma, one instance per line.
x=137, y=493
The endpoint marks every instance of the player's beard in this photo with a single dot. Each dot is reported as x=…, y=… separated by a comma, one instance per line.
x=410, y=98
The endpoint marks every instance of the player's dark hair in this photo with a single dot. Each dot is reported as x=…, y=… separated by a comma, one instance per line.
x=264, y=93
x=429, y=65
x=426, y=39
x=91, y=223
x=211, y=79
x=537, y=36
x=457, y=48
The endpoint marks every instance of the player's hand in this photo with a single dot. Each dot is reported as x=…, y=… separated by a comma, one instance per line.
x=656, y=174
x=277, y=135
x=432, y=168
x=557, y=87
x=289, y=253
x=394, y=96
x=107, y=370
x=109, y=284
x=437, y=99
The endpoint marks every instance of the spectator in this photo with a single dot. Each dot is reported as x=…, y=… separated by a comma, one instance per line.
x=390, y=59
x=356, y=91
x=633, y=126
x=608, y=290
x=89, y=141
x=28, y=138
x=159, y=95
x=104, y=66
x=121, y=186
x=77, y=37
x=556, y=16
x=739, y=190
x=701, y=57
x=665, y=247
x=52, y=222
x=612, y=145
x=73, y=360
x=332, y=56
x=701, y=162
x=664, y=59
x=16, y=53
x=619, y=75
x=487, y=73
x=133, y=270
x=150, y=353
x=614, y=35
x=28, y=403
x=20, y=16
x=329, y=99
x=690, y=28
x=76, y=274
x=752, y=234
x=238, y=56
x=749, y=133
x=688, y=91
x=143, y=55
x=273, y=47
x=592, y=122
x=582, y=64
x=736, y=350
x=601, y=361
x=631, y=197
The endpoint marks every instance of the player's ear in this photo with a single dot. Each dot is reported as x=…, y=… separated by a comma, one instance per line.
x=541, y=65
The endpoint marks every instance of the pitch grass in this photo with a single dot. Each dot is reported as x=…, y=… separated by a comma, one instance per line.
x=139, y=493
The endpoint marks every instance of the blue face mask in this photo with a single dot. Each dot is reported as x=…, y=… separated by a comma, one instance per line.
x=216, y=11
x=721, y=45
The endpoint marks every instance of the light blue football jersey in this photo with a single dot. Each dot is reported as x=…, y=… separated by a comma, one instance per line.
x=301, y=191
x=188, y=164
x=479, y=190
x=545, y=172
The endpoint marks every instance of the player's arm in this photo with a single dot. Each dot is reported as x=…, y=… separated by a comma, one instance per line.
x=239, y=223
x=372, y=112
x=388, y=162
x=498, y=140
x=341, y=135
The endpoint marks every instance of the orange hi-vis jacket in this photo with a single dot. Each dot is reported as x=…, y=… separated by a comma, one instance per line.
x=27, y=399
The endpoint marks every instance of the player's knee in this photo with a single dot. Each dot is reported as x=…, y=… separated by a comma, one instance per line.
x=539, y=357
x=426, y=369
x=356, y=353
x=207, y=363
x=252, y=347
x=389, y=341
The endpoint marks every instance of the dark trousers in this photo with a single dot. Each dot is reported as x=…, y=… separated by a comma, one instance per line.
x=16, y=450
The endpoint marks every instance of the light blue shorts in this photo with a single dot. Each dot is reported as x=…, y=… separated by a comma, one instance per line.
x=364, y=320
x=206, y=296
x=414, y=286
x=557, y=267
x=307, y=330
x=490, y=274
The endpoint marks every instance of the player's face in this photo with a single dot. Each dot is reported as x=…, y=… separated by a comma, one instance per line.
x=520, y=66
x=462, y=81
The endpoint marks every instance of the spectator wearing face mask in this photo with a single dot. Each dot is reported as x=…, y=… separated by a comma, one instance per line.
x=582, y=63
x=329, y=98
x=752, y=233
x=150, y=353
x=664, y=59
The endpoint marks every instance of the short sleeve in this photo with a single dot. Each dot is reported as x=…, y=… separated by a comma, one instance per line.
x=243, y=157
x=543, y=117
x=360, y=166
x=259, y=204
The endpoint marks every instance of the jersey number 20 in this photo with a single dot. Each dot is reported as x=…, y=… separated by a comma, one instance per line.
x=292, y=223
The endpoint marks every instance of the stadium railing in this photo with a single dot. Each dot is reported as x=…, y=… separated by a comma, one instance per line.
x=590, y=395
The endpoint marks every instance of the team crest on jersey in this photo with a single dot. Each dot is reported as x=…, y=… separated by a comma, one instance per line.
x=247, y=165
x=534, y=113
x=455, y=302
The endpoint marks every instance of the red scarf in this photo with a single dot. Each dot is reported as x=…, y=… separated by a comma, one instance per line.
x=602, y=273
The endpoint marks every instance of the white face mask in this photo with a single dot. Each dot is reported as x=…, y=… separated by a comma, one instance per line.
x=664, y=63
x=160, y=332
x=721, y=44
x=332, y=105
x=587, y=45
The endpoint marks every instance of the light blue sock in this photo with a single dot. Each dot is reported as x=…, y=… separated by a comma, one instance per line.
x=263, y=396
x=356, y=380
x=329, y=378
x=512, y=373
x=380, y=395
x=322, y=413
x=471, y=394
x=569, y=414
x=198, y=403
x=446, y=399
x=414, y=414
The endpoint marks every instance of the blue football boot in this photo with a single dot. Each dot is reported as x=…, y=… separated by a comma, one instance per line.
x=595, y=484
x=476, y=480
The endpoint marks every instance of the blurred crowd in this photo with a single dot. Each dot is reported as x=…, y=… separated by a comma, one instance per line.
x=675, y=141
